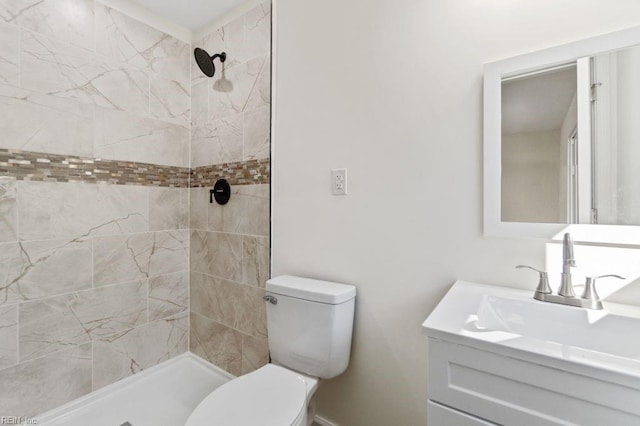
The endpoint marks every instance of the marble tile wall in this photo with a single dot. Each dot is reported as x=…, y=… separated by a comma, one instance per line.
x=80, y=78
x=87, y=264
x=230, y=246
x=234, y=125
x=94, y=274
x=229, y=266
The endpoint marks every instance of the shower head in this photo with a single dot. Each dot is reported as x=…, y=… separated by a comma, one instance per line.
x=205, y=62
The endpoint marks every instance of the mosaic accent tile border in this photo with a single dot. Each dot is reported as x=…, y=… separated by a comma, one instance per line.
x=251, y=172
x=37, y=166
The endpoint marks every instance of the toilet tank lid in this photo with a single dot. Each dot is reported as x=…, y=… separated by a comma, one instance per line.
x=312, y=290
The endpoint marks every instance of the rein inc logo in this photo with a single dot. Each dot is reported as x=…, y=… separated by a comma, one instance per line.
x=17, y=420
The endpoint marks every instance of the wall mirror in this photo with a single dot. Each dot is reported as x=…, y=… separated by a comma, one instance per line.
x=562, y=142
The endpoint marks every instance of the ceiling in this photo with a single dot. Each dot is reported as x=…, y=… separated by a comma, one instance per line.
x=191, y=14
x=539, y=102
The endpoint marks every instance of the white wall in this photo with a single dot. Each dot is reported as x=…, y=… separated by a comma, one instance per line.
x=391, y=89
x=530, y=177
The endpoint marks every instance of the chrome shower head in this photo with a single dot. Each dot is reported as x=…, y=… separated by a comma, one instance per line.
x=205, y=62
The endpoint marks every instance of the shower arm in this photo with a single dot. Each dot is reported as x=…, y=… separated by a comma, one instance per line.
x=222, y=56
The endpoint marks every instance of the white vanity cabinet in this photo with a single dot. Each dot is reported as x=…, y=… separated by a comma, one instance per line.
x=486, y=388
x=438, y=414
x=490, y=364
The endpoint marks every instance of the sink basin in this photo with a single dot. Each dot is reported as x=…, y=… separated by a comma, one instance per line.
x=511, y=321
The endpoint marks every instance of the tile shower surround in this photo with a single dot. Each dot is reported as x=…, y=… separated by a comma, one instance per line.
x=104, y=294
x=229, y=262
x=94, y=208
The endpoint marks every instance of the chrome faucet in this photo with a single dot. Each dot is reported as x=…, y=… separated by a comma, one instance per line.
x=566, y=295
x=568, y=262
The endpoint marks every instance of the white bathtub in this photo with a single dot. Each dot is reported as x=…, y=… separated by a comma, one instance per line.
x=163, y=395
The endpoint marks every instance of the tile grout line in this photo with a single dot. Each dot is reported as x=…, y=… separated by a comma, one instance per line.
x=17, y=334
x=229, y=327
x=148, y=297
x=190, y=68
x=231, y=281
x=92, y=341
x=19, y=302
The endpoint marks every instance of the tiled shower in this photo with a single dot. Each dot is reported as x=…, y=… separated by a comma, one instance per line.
x=230, y=245
x=110, y=142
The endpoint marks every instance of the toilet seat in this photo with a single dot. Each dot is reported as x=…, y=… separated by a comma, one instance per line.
x=269, y=396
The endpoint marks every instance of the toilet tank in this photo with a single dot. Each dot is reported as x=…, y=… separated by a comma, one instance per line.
x=310, y=323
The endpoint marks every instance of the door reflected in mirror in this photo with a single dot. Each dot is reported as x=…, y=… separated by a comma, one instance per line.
x=539, y=119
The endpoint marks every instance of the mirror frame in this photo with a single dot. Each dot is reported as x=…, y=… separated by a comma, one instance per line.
x=494, y=72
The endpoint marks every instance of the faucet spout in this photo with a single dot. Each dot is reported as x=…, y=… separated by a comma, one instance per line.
x=568, y=260
x=566, y=286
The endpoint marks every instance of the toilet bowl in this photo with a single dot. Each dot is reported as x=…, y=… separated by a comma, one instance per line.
x=309, y=324
x=269, y=396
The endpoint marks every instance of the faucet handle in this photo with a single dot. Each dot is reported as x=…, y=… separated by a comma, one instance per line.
x=543, y=284
x=590, y=286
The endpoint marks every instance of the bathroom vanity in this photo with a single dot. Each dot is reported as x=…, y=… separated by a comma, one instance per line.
x=556, y=139
x=497, y=356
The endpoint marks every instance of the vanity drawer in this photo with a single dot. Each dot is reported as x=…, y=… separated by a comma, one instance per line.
x=439, y=415
x=511, y=391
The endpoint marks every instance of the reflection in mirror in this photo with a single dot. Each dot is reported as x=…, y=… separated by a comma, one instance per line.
x=552, y=175
x=616, y=102
x=539, y=141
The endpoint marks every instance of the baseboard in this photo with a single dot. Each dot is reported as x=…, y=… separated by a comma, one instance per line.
x=323, y=422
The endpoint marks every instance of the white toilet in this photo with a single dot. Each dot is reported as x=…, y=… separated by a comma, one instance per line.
x=310, y=324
